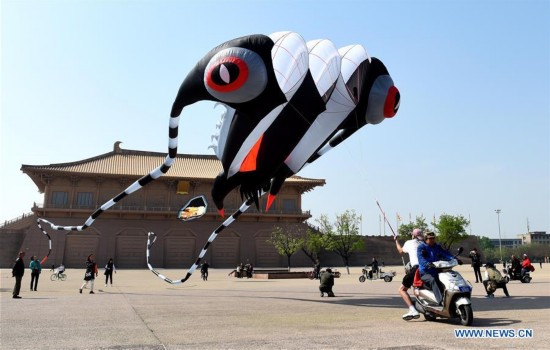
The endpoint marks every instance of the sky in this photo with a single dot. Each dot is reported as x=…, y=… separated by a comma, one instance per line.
x=472, y=134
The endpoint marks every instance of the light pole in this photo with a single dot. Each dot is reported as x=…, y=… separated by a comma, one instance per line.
x=499, y=239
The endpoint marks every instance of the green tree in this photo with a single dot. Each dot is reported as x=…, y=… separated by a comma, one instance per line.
x=485, y=243
x=404, y=231
x=342, y=237
x=314, y=243
x=287, y=241
x=451, y=229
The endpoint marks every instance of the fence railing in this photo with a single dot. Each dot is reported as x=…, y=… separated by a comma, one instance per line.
x=17, y=219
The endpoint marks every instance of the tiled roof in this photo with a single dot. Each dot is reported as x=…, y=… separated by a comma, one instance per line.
x=123, y=162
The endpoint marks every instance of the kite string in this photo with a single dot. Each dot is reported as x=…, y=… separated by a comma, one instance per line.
x=246, y=204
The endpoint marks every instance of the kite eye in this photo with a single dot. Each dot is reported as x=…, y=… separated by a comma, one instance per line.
x=383, y=100
x=391, y=106
x=235, y=75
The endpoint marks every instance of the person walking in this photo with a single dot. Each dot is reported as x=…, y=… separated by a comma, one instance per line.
x=18, y=271
x=36, y=269
x=410, y=247
x=476, y=264
x=109, y=269
x=90, y=274
x=204, y=270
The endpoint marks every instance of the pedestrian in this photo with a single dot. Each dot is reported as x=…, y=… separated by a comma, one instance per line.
x=410, y=247
x=204, y=270
x=90, y=274
x=540, y=263
x=18, y=271
x=317, y=269
x=36, y=269
x=476, y=264
x=109, y=269
x=326, y=283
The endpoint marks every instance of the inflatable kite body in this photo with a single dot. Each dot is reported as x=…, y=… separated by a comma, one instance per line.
x=287, y=103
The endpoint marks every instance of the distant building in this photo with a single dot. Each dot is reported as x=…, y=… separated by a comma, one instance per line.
x=538, y=237
x=506, y=242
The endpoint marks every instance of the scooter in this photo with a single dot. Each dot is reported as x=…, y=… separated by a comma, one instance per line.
x=516, y=276
x=456, y=295
x=369, y=275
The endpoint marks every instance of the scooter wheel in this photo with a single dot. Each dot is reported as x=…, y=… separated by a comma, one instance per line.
x=362, y=279
x=387, y=279
x=429, y=317
x=466, y=315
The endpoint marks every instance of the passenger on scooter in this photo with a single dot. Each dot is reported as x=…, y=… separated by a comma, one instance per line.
x=525, y=265
x=374, y=268
x=429, y=252
x=410, y=247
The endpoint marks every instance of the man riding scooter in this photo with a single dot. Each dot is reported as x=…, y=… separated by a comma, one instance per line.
x=429, y=252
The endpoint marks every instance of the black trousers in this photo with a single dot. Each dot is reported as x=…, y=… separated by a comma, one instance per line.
x=34, y=280
x=477, y=273
x=109, y=275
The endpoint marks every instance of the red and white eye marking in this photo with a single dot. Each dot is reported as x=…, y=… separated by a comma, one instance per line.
x=391, y=105
x=235, y=75
x=228, y=74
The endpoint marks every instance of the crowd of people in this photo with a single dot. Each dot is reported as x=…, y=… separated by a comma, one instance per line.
x=35, y=266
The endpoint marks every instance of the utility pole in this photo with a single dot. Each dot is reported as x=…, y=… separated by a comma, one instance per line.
x=499, y=238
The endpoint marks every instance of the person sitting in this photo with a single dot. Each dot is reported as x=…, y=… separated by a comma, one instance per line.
x=428, y=252
x=493, y=280
x=515, y=265
x=326, y=283
x=526, y=265
x=60, y=269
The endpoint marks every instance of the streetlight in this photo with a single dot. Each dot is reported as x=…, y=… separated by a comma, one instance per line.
x=499, y=239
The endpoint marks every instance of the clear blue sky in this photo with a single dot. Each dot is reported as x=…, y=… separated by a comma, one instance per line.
x=472, y=134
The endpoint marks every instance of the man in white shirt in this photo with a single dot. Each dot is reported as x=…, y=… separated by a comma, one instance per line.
x=410, y=247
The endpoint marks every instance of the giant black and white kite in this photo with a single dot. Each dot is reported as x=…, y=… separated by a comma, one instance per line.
x=287, y=102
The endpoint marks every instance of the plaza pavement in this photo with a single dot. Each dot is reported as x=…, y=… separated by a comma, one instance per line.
x=142, y=311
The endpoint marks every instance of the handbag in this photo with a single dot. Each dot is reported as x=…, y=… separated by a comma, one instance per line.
x=87, y=276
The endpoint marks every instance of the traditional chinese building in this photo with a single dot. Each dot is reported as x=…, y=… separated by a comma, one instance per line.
x=72, y=191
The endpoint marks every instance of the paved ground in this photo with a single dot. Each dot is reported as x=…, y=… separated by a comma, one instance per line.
x=143, y=312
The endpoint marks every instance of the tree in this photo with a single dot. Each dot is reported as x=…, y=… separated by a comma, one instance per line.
x=485, y=243
x=404, y=231
x=342, y=237
x=314, y=242
x=287, y=241
x=451, y=229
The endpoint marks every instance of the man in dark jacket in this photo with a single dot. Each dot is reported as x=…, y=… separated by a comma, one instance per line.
x=476, y=264
x=327, y=281
x=18, y=271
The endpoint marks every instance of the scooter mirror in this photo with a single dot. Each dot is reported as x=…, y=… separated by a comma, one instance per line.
x=460, y=250
x=194, y=209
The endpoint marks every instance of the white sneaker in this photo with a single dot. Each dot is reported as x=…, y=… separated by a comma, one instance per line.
x=410, y=315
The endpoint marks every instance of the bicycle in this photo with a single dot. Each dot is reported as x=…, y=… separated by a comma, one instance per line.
x=61, y=276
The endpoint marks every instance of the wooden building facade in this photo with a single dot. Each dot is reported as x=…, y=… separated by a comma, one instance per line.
x=72, y=191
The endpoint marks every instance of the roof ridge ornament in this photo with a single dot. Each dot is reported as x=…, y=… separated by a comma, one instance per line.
x=116, y=147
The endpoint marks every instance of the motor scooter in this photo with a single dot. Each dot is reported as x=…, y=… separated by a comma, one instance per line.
x=456, y=295
x=516, y=276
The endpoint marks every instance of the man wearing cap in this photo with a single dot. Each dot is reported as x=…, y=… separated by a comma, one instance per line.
x=410, y=247
x=429, y=252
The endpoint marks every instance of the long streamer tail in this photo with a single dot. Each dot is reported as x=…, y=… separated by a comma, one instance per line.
x=153, y=175
x=49, y=239
x=244, y=207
